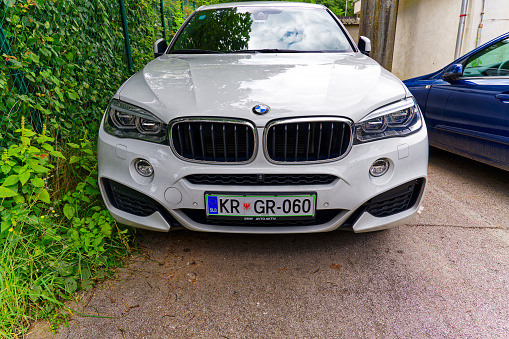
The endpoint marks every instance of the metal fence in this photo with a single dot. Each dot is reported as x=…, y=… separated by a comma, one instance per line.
x=62, y=60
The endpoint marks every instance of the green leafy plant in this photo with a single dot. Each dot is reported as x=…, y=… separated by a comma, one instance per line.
x=51, y=248
x=25, y=169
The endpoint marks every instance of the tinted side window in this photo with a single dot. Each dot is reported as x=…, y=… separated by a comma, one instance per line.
x=491, y=61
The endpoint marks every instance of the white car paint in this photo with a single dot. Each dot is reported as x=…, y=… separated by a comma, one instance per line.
x=348, y=85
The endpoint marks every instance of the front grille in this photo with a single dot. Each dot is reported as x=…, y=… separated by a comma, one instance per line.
x=261, y=179
x=321, y=217
x=213, y=140
x=308, y=140
x=397, y=200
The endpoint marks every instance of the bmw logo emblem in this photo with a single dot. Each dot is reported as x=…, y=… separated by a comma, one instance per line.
x=261, y=109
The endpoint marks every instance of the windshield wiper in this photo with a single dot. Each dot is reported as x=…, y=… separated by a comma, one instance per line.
x=273, y=50
x=194, y=51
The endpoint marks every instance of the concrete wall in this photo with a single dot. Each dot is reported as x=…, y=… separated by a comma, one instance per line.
x=426, y=32
x=352, y=26
x=354, y=32
x=495, y=22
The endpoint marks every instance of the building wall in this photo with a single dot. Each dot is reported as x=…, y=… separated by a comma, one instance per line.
x=354, y=31
x=352, y=26
x=495, y=22
x=425, y=36
x=426, y=32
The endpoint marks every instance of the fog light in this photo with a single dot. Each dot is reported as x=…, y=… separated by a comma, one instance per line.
x=143, y=167
x=379, y=167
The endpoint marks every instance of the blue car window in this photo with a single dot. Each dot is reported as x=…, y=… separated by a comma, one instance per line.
x=491, y=61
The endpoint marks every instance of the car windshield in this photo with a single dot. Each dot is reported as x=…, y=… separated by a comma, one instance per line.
x=261, y=29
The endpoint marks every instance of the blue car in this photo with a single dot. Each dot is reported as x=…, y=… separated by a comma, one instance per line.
x=466, y=104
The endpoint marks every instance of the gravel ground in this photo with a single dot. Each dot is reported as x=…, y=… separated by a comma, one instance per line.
x=445, y=275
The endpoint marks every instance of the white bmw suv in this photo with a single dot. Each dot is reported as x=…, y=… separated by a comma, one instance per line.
x=263, y=117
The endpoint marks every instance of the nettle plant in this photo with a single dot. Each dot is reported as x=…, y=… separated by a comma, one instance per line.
x=25, y=168
x=55, y=234
x=28, y=170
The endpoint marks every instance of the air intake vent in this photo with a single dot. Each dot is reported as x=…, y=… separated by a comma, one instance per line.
x=308, y=140
x=261, y=179
x=213, y=140
x=397, y=200
x=322, y=217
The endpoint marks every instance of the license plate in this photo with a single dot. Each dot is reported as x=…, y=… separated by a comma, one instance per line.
x=260, y=207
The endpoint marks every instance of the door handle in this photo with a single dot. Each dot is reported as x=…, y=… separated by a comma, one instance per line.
x=503, y=97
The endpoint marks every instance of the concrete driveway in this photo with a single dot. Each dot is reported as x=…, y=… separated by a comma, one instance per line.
x=445, y=275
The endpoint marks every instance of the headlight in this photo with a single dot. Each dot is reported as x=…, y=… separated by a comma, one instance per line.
x=127, y=121
x=394, y=120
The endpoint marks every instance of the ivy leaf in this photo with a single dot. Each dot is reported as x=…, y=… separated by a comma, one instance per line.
x=59, y=93
x=44, y=196
x=15, y=63
x=9, y=3
x=45, y=74
x=45, y=51
x=34, y=58
x=6, y=193
x=11, y=180
x=37, y=182
x=68, y=211
x=72, y=95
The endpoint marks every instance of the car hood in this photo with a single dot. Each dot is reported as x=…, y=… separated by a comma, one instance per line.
x=230, y=85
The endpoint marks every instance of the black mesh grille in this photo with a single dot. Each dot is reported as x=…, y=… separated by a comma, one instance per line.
x=131, y=202
x=390, y=206
x=321, y=217
x=134, y=202
x=261, y=179
x=214, y=141
x=133, y=206
x=308, y=141
x=396, y=200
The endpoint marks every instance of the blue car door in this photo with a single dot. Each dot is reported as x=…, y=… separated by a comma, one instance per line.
x=471, y=114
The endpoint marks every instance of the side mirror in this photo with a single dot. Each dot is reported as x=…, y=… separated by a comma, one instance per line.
x=160, y=47
x=453, y=72
x=364, y=45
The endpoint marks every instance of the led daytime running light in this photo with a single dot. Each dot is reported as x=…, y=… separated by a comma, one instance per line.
x=125, y=116
x=394, y=120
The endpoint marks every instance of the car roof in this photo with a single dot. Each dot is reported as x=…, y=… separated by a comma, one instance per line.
x=261, y=4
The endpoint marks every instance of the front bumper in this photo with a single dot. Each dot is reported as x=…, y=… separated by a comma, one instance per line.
x=352, y=201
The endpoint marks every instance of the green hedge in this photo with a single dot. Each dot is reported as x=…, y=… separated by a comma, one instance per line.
x=62, y=60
